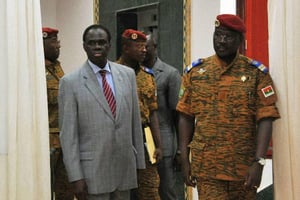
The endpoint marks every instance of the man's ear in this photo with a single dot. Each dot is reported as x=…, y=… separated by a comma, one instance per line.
x=84, y=46
x=125, y=48
x=242, y=37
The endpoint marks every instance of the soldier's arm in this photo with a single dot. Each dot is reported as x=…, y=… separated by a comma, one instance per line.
x=264, y=133
x=154, y=126
x=186, y=131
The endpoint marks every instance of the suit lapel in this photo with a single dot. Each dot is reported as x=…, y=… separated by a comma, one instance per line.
x=91, y=83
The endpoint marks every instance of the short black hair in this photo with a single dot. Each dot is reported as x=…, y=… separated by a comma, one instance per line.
x=96, y=26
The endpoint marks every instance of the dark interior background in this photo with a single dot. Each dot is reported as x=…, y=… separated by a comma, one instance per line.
x=164, y=17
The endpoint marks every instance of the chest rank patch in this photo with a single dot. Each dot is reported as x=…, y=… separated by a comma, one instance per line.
x=268, y=91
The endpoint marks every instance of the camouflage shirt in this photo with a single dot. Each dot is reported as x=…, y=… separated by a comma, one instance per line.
x=227, y=101
x=53, y=73
x=146, y=91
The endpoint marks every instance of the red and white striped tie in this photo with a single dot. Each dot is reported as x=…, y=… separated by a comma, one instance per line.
x=108, y=93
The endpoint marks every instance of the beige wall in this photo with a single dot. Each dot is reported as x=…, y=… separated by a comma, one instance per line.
x=203, y=14
x=71, y=17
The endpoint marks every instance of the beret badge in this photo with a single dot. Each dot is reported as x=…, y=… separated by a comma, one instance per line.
x=217, y=23
x=134, y=36
x=45, y=34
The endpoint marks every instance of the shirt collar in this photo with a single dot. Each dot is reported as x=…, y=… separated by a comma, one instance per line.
x=97, y=69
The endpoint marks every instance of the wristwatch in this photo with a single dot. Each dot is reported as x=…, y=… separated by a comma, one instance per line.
x=260, y=161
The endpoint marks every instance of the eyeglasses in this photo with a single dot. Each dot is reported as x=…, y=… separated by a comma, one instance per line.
x=224, y=37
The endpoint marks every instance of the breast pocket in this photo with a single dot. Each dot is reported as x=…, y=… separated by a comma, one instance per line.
x=201, y=98
x=242, y=97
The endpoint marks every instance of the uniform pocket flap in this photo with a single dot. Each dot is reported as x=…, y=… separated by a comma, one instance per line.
x=197, y=145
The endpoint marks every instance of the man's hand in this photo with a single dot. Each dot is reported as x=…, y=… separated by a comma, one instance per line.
x=158, y=155
x=186, y=171
x=177, y=161
x=253, y=177
x=80, y=189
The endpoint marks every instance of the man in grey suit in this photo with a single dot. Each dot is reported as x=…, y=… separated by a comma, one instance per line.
x=168, y=81
x=102, y=147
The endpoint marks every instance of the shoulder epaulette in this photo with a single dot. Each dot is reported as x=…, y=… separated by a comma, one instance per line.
x=194, y=64
x=148, y=70
x=259, y=66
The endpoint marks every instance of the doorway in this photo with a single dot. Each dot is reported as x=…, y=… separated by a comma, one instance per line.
x=143, y=18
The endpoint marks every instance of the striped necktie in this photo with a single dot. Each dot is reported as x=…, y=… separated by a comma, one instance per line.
x=108, y=93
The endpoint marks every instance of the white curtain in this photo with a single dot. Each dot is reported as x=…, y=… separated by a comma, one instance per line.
x=284, y=50
x=24, y=146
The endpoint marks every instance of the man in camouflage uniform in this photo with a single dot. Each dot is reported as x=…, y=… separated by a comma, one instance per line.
x=59, y=180
x=227, y=106
x=133, y=53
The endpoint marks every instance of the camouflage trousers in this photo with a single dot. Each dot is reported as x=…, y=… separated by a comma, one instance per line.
x=59, y=179
x=148, y=183
x=212, y=189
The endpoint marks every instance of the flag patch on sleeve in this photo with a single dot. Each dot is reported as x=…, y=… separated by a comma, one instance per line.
x=268, y=91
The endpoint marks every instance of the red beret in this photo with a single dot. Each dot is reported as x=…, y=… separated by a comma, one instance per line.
x=49, y=32
x=231, y=21
x=134, y=35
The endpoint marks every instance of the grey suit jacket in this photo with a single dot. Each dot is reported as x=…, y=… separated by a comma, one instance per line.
x=103, y=150
x=168, y=82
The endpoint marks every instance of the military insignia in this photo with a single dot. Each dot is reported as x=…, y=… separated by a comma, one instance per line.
x=201, y=71
x=181, y=92
x=188, y=68
x=243, y=78
x=134, y=36
x=148, y=70
x=268, y=91
x=194, y=64
x=217, y=23
x=45, y=34
x=259, y=66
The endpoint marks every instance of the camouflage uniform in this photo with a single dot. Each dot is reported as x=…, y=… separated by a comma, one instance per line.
x=59, y=177
x=148, y=179
x=227, y=101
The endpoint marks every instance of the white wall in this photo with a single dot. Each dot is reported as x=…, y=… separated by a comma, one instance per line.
x=48, y=12
x=71, y=17
x=203, y=15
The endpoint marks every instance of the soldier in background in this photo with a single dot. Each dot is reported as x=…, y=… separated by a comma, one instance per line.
x=133, y=53
x=168, y=80
x=227, y=106
x=59, y=180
